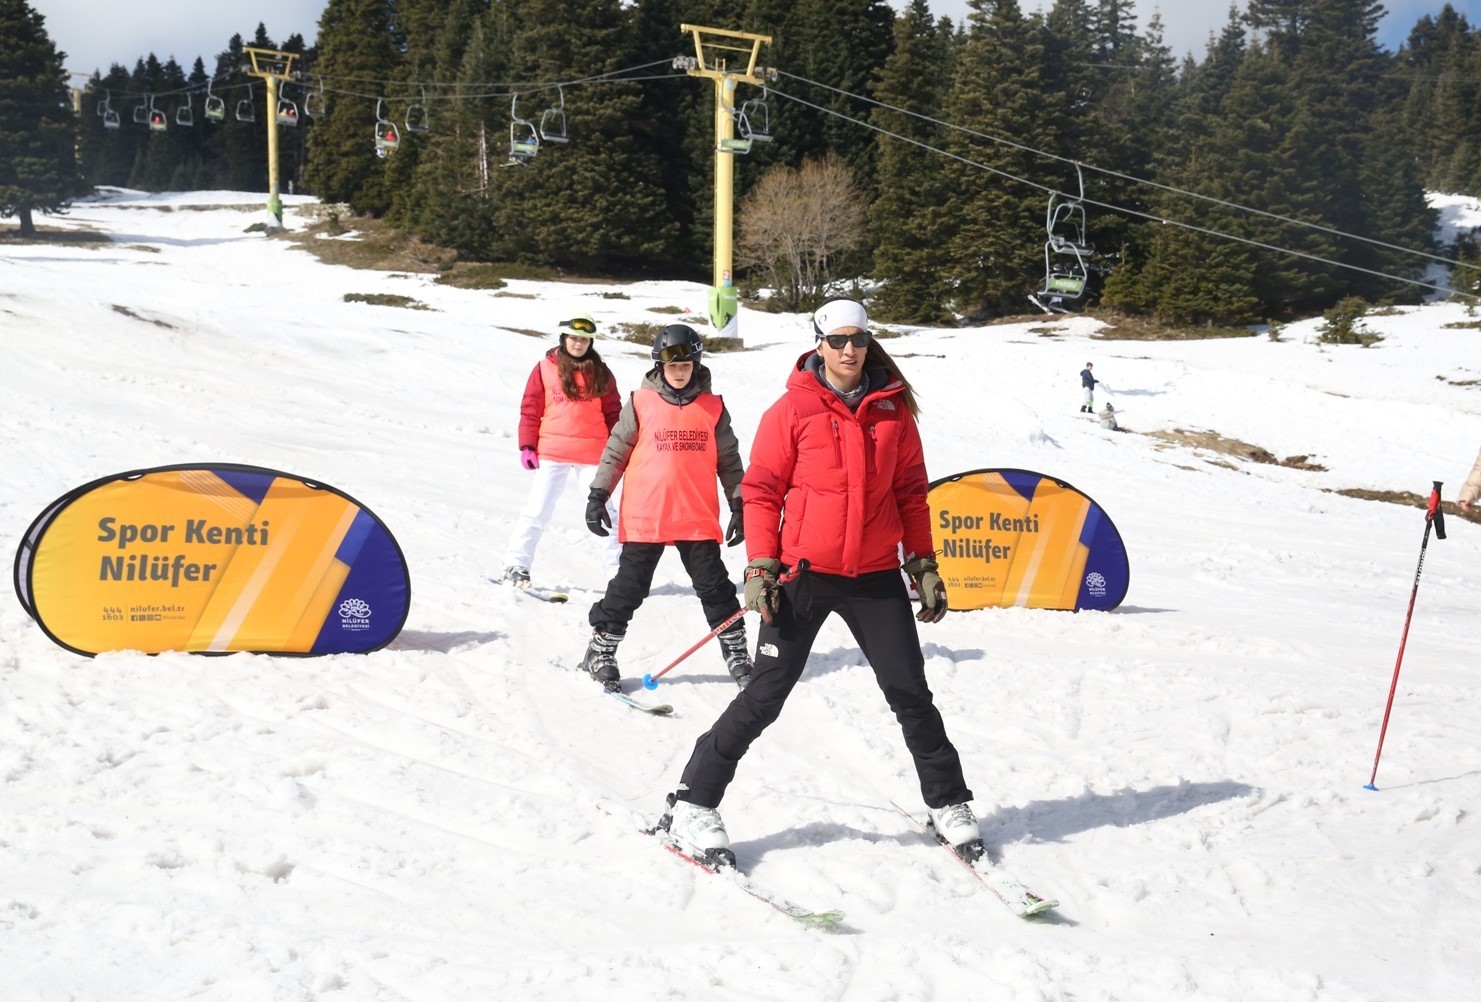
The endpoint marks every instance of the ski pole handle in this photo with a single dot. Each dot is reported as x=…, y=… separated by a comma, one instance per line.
x=1435, y=513
x=651, y=681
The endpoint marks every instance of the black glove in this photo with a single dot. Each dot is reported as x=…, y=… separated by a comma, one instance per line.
x=597, y=519
x=735, y=533
x=930, y=588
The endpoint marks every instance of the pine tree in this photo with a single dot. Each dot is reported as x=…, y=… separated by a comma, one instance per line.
x=995, y=241
x=357, y=40
x=915, y=197
x=38, y=130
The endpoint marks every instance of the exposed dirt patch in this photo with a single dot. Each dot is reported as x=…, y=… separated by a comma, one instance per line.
x=148, y=320
x=1411, y=500
x=1212, y=441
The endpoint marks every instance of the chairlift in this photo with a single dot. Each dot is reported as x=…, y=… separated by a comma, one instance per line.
x=387, y=136
x=553, y=120
x=417, y=120
x=185, y=114
x=215, y=106
x=158, y=122
x=1069, y=277
x=741, y=141
x=524, y=139
x=245, y=111
x=105, y=109
x=141, y=113
x=757, y=116
x=287, y=112
x=313, y=101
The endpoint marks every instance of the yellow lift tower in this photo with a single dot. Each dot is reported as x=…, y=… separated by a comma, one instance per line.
x=274, y=67
x=715, y=50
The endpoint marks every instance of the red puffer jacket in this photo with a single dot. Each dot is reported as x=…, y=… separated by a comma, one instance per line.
x=842, y=488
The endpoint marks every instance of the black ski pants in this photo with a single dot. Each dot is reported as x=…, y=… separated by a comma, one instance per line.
x=878, y=612
x=634, y=579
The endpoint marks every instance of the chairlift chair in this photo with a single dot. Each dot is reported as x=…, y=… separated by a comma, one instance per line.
x=158, y=121
x=245, y=111
x=741, y=141
x=313, y=101
x=758, y=117
x=105, y=109
x=553, y=120
x=524, y=139
x=287, y=112
x=417, y=120
x=215, y=106
x=141, y=113
x=185, y=114
x=1067, y=282
x=387, y=136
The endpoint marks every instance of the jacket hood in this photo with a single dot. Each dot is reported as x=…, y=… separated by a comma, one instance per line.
x=698, y=383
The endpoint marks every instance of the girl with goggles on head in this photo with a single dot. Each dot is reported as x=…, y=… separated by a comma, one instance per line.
x=569, y=407
x=836, y=486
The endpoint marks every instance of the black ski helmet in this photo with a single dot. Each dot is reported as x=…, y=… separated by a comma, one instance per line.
x=677, y=343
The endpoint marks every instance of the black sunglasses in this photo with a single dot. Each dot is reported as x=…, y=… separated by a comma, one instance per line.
x=581, y=325
x=838, y=341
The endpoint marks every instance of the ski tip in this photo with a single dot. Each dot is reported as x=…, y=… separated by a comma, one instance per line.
x=820, y=920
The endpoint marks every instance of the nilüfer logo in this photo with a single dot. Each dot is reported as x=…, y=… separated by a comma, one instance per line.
x=354, y=614
x=1096, y=582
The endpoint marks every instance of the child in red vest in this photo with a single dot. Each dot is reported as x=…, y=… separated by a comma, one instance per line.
x=672, y=440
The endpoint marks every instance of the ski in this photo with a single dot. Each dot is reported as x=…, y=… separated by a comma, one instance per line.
x=729, y=871
x=1008, y=889
x=653, y=709
x=541, y=594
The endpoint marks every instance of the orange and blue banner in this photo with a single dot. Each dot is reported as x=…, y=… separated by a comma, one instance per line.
x=1019, y=538
x=212, y=559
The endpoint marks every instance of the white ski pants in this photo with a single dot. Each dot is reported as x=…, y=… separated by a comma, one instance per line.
x=549, y=483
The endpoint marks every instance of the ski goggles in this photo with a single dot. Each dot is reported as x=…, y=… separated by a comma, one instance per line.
x=839, y=341
x=580, y=325
x=678, y=353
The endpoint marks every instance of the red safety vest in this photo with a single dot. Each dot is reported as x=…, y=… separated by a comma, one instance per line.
x=669, y=490
x=571, y=431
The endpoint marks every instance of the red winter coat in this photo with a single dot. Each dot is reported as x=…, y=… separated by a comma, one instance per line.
x=842, y=488
x=561, y=429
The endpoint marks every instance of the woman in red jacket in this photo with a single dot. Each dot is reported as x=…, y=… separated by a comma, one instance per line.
x=837, y=478
x=570, y=405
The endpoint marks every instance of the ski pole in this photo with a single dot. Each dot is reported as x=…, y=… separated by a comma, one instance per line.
x=1433, y=516
x=651, y=681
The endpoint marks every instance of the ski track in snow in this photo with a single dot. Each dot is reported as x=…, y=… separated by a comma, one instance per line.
x=453, y=817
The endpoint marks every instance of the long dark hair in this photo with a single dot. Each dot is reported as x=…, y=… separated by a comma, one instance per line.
x=598, y=376
x=878, y=358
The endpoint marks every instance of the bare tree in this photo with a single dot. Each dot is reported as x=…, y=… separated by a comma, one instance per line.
x=795, y=224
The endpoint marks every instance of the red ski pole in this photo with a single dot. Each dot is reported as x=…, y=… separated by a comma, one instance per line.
x=651, y=681
x=1433, y=516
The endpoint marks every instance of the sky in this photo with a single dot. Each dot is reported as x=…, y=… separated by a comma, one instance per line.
x=454, y=817
x=96, y=35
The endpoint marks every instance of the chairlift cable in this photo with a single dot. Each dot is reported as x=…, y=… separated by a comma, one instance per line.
x=1125, y=177
x=1133, y=212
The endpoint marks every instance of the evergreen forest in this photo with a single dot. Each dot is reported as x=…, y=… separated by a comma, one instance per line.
x=1279, y=172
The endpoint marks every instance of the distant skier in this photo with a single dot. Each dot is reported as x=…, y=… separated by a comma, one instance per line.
x=570, y=404
x=668, y=447
x=1087, y=380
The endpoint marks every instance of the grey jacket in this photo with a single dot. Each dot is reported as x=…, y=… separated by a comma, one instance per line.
x=624, y=436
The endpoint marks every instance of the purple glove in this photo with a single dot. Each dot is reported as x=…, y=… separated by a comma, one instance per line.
x=528, y=458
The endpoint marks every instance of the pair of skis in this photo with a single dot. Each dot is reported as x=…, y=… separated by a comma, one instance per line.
x=611, y=689
x=1012, y=892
